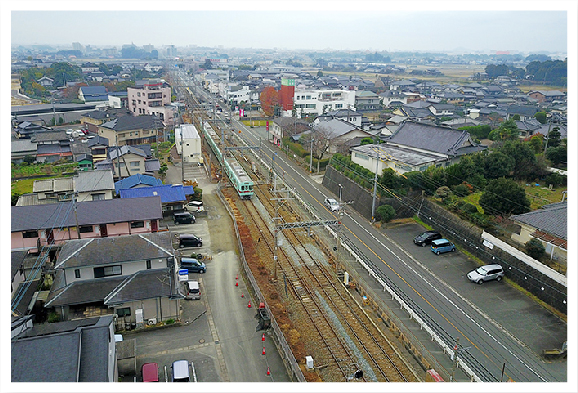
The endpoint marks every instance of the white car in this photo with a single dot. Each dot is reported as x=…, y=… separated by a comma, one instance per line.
x=332, y=204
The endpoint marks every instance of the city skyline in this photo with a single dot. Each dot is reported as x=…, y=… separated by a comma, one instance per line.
x=526, y=31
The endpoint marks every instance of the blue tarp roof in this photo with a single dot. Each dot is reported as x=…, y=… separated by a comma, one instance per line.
x=134, y=180
x=168, y=192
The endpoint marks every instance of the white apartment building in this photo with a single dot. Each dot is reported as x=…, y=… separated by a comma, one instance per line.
x=318, y=102
x=151, y=98
x=190, y=148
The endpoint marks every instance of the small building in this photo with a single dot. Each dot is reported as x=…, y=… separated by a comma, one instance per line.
x=188, y=143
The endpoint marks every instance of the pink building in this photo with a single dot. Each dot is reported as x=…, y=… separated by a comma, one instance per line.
x=151, y=98
x=37, y=226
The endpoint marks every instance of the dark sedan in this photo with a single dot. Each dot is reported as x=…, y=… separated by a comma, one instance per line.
x=426, y=238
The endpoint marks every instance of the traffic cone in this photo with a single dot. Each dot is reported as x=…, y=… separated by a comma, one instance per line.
x=236, y=284
x=263, y=353
x=268, y=371
x=236, y=278
x=242, y=295
x=249, y=305
x=263, y=338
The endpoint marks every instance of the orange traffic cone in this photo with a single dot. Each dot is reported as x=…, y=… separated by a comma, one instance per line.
x=249, y=305
x=268, y=371
x=236, y=284
x=263, y=338
x=263, y=353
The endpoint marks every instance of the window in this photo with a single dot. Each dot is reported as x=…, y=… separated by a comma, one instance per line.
x=338, y=105
x=123, y=312
x=77, y=273
x=308, y=97
x=310, y=106
x=107, y=271
x=135, y=163
x=98, y=197
x=148, y=263
x=86, y=229
x=30, y=234
x=137, y=224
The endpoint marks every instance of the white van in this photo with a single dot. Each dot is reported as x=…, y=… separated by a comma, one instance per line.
x=193, y=291
x=180, y=370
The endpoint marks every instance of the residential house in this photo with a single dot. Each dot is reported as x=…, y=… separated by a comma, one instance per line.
x=549, y=224
x=129, y=130
x=74, y=351
x=366, y=100
x=22, y=148
x=93, y=186
x=92, y=93
x=349, y=115
x=55, y=190
x=136, y=181
x=282, y=127
x=547, y=95
x=52, y=146
x=188, y=143
x=46, y=82
x=402, y=85
x=36, y=226
x=130, y=276
x=173, y=196
x=98, y=148
x=391, y=98
x=91, y=120
x=126, y=161
x=338, y=133
x=524, y=111
x=415, y=147
x=26, y=129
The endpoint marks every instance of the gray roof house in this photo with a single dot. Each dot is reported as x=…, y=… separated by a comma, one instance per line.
x=75, y=351
x=549, y=224
x=109, y=272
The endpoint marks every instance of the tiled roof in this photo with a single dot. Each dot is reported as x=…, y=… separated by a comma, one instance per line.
x=131, y=181
x=56, y=215
x=107, y=250
x=552, y=219
x=437, y=139
x=126, y=123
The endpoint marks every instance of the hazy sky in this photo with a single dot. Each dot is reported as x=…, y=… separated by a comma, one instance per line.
x=373, y=25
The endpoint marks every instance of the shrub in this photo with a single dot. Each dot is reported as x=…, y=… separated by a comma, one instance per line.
x=462, y=190
x=385, y=213
x=53, y=317
x=535, y=249
x=468, y=208
x=169, y=321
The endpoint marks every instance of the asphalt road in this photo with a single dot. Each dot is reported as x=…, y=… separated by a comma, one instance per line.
x=494, y=323
x=218, y=332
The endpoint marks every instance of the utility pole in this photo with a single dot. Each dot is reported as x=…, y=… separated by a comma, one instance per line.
x=311, y=156
x=374, y=189
x=454, y=360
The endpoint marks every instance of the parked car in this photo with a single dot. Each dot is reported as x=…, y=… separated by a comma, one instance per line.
x=486, y=273
x=180, y=370
x=194, y=206
x=332, y=204
x=150, y=372
x=193, y=265
x=190, y=240
x=184, y=218
x=440, y=246
x=425, y=238
x=193, y=290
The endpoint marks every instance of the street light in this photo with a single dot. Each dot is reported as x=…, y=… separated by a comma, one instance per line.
x=340, y=188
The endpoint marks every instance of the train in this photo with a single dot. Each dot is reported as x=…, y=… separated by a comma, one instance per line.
x=237, y=175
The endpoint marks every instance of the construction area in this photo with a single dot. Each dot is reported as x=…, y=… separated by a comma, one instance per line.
x=324, y=321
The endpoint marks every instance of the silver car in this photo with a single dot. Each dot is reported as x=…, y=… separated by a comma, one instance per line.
x=332, y=204
x=486, y=273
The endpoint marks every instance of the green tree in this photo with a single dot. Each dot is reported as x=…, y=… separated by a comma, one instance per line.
x=497, y=164
x=536, y=143
x=526, y=164
x=535, y=248
x=541, y=117
x=385, y=213
x=554, y=137
x=516, y=117
x=508, y=130
x=366, y=141
x=504, y=197
x=557, y=155
x=319, y=74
